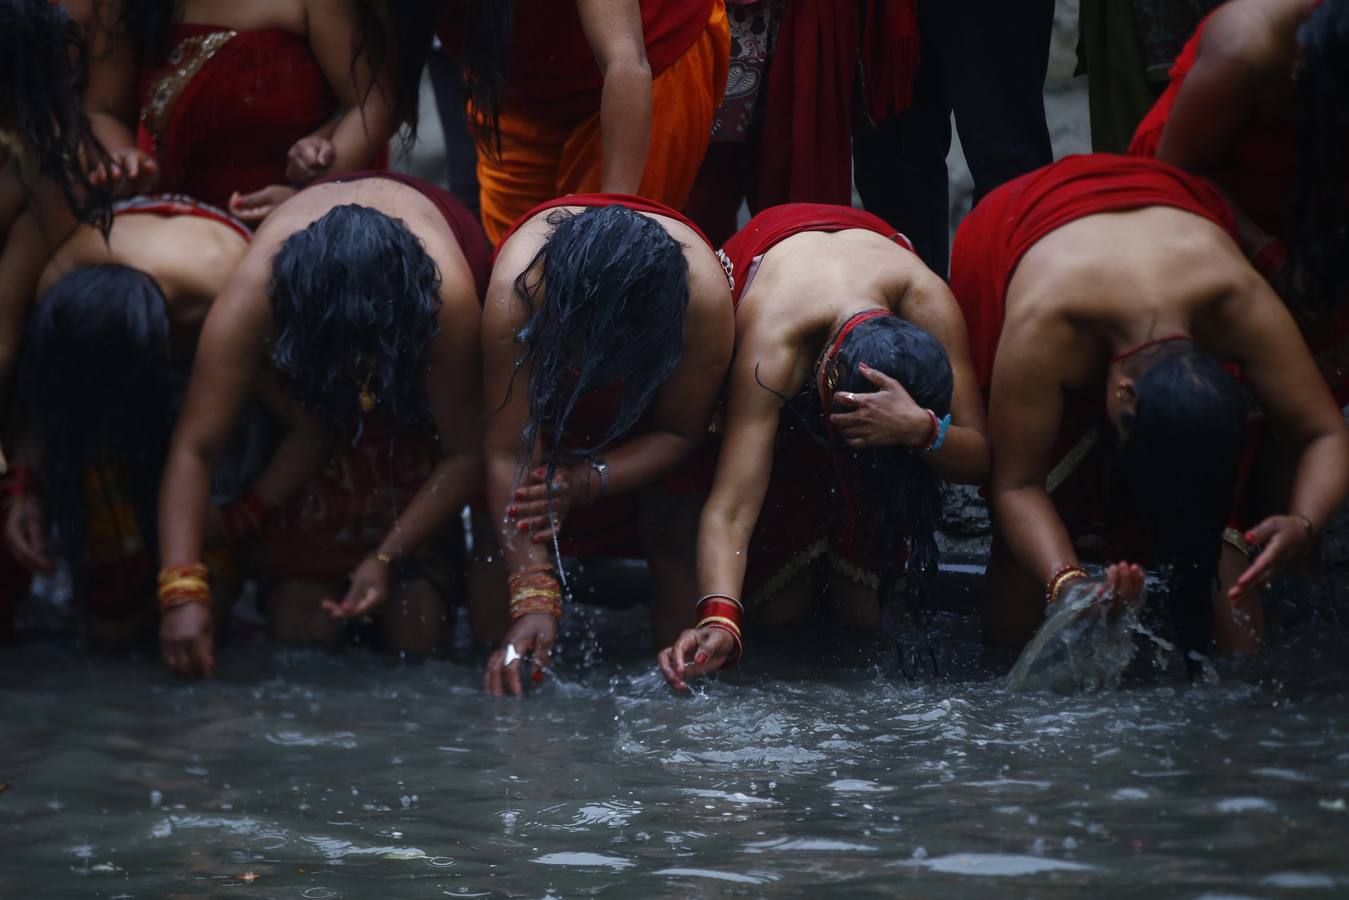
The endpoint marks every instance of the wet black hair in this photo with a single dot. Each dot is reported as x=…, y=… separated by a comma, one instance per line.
x=1181, y=456
x=1319, y=245
x=486, y=57
x=605, y=297
x=96, y=376
x=898, y=489
x=354, y=300
x=396, y=34
x=44, y=69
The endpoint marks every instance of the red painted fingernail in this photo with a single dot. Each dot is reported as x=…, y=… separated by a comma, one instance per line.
x=522, y=526
x=512, y=511
x=699, y=658
x=537, y=676
x=1250, y=537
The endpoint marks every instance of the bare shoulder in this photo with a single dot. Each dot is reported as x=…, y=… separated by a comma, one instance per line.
x=1243, y=32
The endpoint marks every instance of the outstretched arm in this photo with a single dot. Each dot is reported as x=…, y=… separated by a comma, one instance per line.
x=454, y=393
x=614, y=29
x=225, y=373
x=1259, y=334
x=744, y=467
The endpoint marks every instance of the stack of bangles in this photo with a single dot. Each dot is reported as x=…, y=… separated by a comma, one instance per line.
x=1054, y=587
x=244, y=519
x=182, y=584
x=19, y=482
x=535, y=590
x=723, y=613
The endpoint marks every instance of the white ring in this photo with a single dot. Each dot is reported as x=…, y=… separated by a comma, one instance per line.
x=511, y=654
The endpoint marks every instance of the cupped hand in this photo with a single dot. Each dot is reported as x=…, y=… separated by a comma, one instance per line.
x=531, y=635
x=309, y=158
x=1283, y=541
x=187, y=640
x=128, y=171
x=26, y=534
x=530, y=508
x=694, y=654
x=253, y=208
x=369, y=590
x=885, y=417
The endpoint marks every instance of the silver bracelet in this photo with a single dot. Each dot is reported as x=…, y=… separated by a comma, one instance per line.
x=601, y=469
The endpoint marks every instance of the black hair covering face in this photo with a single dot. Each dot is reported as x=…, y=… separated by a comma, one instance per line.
x=899, y=490
x=1182, y=456
x=1319, y=243
x=96, y=377
x=606, y=297
x=354, y=300
x=44, y=69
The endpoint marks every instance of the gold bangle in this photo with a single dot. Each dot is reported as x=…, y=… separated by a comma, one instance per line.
x=720, y=620
x=381, y=556
x=1306, y=522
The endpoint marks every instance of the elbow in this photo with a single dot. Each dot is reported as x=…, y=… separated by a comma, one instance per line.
x=628, y=70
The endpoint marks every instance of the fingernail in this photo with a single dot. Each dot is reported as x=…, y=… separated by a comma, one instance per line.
x=1250, y=537
x=700, y=658
x=537, y=676
x=522, y=526
x=512, y=511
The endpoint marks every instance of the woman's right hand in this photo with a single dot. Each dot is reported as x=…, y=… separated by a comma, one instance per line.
x=697, y=652
x=187, y=640
x=26, y=534
x=128, y=170
x=532, y=634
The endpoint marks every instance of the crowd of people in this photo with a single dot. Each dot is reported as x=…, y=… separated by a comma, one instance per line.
x=237, y=348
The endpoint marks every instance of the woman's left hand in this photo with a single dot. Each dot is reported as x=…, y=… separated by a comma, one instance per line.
x=886, y=417
x=369, y=590
x=253, y=208
x=1284, y=540
x=530, y=507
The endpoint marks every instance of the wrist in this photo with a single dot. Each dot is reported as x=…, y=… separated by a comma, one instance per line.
x=721, y=612
x=535, y=591
x=183, y=585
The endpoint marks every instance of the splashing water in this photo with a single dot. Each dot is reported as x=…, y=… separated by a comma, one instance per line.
x=1080, y=647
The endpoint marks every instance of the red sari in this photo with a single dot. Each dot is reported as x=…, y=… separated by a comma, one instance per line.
x=989, y=246
x=221, y=110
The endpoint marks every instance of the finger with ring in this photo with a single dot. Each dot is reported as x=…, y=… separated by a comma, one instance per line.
x=511, y=655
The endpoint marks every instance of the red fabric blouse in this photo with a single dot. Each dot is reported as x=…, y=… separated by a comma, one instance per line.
x=222, y=109
x=552, y=67
x=772, y=226
x=1257, y=171
x=1012, y=219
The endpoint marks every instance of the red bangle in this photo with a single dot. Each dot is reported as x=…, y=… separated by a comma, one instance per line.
x=20, y=481
x=722, y=613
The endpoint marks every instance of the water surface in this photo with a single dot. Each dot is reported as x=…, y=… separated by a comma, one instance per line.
x=314, y=775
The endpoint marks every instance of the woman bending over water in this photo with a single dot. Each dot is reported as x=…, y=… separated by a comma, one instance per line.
x=836, y=316
x=606, y=336
x=359, y=301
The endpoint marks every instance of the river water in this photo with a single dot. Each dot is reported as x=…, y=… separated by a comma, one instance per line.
x=304, y=774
